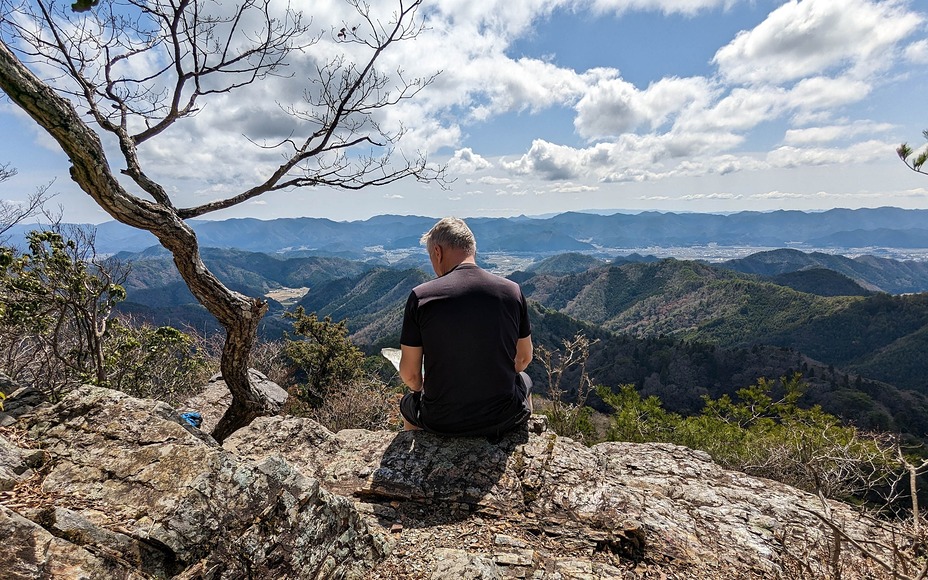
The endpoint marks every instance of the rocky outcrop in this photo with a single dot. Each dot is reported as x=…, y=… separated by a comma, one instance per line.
x=123, y=488
x=129, y=490
x=535, y=502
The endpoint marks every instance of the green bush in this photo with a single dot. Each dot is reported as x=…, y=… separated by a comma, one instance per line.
x=57, y=330
x=155, y=362
x=55, y=302
x=334, y=385
x=764, y=436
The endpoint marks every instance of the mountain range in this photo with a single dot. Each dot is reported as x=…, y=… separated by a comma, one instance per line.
x=884, y=227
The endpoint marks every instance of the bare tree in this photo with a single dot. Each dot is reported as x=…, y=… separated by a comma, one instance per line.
x=570, y=419
x=11, y=213
x=135, y=68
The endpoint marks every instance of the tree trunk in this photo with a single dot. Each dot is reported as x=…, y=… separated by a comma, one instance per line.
x=90, y=169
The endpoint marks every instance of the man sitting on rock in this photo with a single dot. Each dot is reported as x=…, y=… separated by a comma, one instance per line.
x=472, y=329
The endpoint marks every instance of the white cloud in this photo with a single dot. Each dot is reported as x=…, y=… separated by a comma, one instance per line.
x=548, y=161
x=739, y=110
x=812, y=37
x=392, y=196
x=492, y=180
x=916, y=193
x=572, y=188
x=830, y=133
x=826, y=93
x=917, y=52
x=711, y=196
x=787, y=156
x=466, y=161
x=687, y=7
x=804, y=65
x=614, y=106
x=778, y=195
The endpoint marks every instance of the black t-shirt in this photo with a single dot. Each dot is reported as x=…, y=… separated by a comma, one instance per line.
x=467, y=323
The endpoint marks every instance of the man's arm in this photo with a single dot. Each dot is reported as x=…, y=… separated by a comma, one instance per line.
x=523, y=353
x=411, y=366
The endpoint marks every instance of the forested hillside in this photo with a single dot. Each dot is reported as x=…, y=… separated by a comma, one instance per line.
x=371, y=304
x=155, y=291
x=871, y=272
x=673, y=328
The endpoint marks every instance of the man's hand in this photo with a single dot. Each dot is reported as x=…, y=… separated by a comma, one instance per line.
x=523, y=353
x=411, y=366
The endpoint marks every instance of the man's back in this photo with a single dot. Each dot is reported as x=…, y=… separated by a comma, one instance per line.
x=468, y=323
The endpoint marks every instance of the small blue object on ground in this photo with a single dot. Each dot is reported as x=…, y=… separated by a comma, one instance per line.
x=193, y=418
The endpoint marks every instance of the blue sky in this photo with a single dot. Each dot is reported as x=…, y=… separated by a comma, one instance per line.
x=544, y=106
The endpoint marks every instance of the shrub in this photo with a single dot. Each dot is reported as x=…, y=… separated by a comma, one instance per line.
x=156, y=362
x=766, y=437
x=333, y=385
x=566, y=418
x=57, y=298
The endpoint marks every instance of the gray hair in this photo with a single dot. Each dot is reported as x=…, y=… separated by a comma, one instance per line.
x=450, y=232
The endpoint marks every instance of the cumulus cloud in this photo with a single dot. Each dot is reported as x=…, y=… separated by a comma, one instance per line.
x=800, y=39
x=466, y=161
x=803, y=66
x=826, y=93
x=788, y=156
x=614, y=106
x=548, y=160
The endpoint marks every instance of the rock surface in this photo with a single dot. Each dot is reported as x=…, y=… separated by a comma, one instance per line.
x=213, y=401
x=548, y=504
x=127, y=482
x=123, y=488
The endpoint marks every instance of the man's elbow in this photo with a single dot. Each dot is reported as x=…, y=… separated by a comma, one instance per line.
x=412, y=379
x=522, y=362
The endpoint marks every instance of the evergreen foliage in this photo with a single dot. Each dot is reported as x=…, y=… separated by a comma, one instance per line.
x=155, y=362
x=61, y=296
x=763, y=434
x=335, y=385
x=324, y=357
x=57, y=328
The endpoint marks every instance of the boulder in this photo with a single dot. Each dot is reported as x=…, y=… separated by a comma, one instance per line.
x=17, y=464
x=536, y=503
x=19, y=401
x=129, y=482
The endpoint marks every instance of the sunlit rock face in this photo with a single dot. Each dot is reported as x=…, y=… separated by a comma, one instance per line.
x=111, y=486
